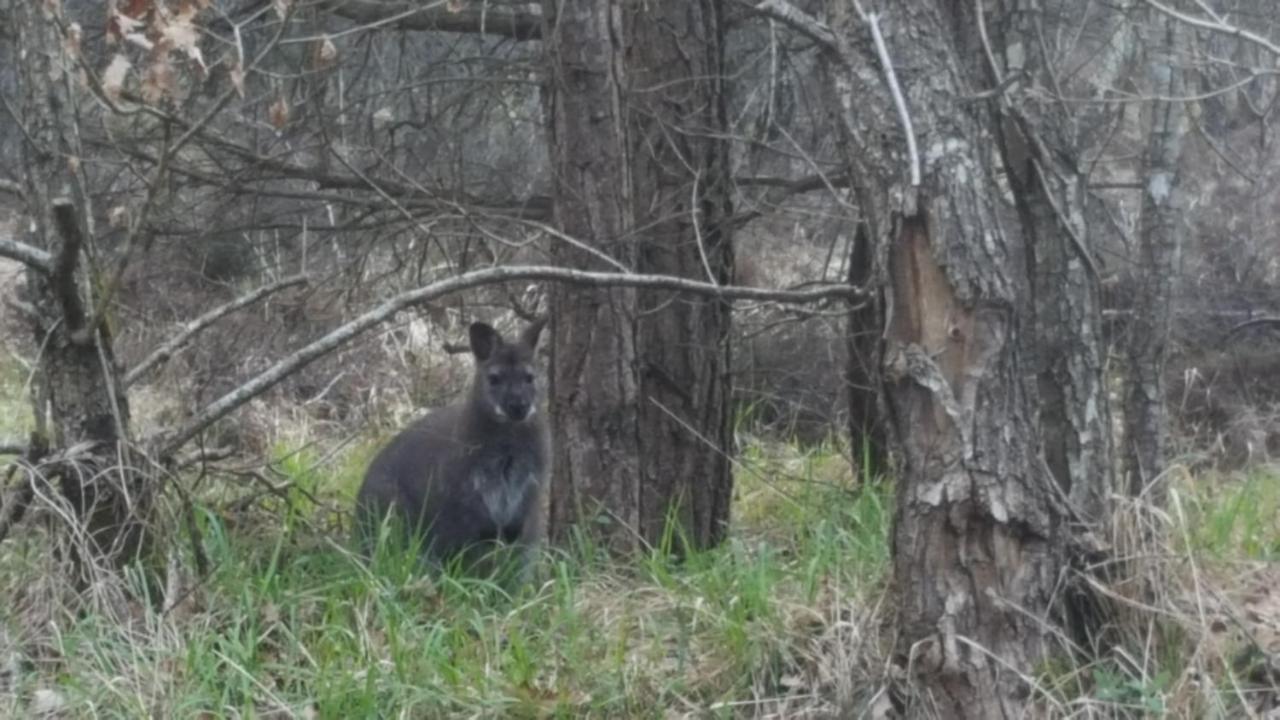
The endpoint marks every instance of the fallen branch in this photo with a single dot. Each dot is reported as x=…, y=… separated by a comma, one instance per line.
x=285, y=367
x=166, y=351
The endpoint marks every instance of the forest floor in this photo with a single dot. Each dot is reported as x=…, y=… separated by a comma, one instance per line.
x=791, y=617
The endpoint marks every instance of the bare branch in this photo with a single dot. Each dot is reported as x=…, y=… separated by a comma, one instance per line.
x=798, y=20
x=899, y=101
x=485, y=19
x=26, y=254
x=1218, y=25
x=285, y=367
x=166, y=351
x=10, y=187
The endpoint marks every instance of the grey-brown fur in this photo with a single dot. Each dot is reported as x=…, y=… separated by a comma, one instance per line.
x=467, y=479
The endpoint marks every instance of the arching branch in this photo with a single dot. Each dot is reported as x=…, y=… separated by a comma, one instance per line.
x=340, y=336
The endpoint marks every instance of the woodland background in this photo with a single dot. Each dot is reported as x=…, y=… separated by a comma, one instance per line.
x=907, y=358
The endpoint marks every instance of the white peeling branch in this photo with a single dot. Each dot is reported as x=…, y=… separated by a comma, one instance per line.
x=798, y=20
x=899, y=100
x=285, y=367
x=26, y=254
x=194, y=327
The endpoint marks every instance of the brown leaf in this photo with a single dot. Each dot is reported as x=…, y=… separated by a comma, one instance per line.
x=74, y=34
x=454, y=6
x=237, y=78
x=328, y=52
x=135, y=8
x=113, y=77
x=279, y=114
x=118, y=217
x=159, y=81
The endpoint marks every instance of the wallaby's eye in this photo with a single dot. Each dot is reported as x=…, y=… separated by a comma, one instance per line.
x=528, y=377
x=495, y=378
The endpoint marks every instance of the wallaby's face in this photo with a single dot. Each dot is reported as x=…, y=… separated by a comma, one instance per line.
x=506, y=383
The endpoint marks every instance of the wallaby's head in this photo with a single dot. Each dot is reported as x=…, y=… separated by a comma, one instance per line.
x=506, y=387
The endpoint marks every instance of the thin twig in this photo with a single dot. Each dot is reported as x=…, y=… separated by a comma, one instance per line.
x=165, y=351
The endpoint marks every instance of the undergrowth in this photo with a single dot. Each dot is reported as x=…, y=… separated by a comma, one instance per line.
x=788, y=618
x=289, y=623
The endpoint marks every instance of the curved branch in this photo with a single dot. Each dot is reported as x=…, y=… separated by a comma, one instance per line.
x=28, y=255
x=798, y=20
x=192, y=328
x=340, y=336
x=487, y=19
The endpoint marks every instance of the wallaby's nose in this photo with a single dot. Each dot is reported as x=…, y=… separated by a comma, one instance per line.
x=517, y=411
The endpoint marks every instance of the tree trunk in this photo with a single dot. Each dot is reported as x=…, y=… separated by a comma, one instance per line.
x=979, y=537
x=77, y=371
x=1159, y=251
x=680, y=179
x=865, y=324
x=639, y=382
x=1064, y=349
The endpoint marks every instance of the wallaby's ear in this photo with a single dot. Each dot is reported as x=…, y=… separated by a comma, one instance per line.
x=529, y=336
x=484, y=340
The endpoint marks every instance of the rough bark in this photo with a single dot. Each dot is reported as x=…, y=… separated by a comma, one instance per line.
x=78, y=374
x=979, y=536
x=639, y=380
x=680, y=171
x=1159, y=250
x=1064, y=348
x=868, y=435
x=594, y=391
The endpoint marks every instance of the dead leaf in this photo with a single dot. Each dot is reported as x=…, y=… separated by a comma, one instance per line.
x=454, y=6
x=281, y=7
x=159, y=82
x=237, y=79
x=328, y=51
x=279, y=114
x=74, y=35
x=113, y=77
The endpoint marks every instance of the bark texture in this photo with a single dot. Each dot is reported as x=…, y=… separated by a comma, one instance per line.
x=1064, y=345
x=78, y=374
x=680, y=179
x=1159, y=253
x=639, y=383
x=868, y=435
x=979, y=535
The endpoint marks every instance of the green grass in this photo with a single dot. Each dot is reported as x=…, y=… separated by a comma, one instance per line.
x=289, y=622
x=1236, y=518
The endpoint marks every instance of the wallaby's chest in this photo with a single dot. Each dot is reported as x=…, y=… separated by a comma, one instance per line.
x=503, y=476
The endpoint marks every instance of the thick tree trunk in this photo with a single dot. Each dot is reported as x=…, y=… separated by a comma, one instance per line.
x=979, y=537
x=79, y=377
x=1064, y=348
x=594, y=390
x=639, y=383
x=1159, y=251
x=680, y=178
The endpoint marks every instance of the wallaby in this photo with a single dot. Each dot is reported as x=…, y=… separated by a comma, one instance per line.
x=466, y=480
